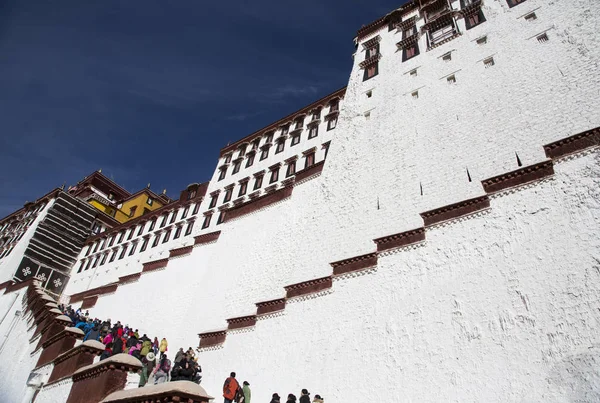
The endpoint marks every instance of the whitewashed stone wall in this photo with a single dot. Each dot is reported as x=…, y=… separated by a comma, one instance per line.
x=15, y=351
x=499, y=307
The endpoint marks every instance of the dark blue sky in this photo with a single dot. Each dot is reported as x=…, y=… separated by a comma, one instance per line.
x=149, y=91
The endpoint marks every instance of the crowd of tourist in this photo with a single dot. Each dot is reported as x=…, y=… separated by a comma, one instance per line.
x=234, y=392
x=156, y=367
x=118, y=338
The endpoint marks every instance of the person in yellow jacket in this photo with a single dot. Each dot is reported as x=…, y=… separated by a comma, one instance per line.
x=163, y=345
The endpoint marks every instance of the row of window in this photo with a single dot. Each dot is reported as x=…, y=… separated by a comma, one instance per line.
x=167, y=218
x=410, y=43
x=309, y=160
x=295, y=135
x=6, y=252
x=110, y=256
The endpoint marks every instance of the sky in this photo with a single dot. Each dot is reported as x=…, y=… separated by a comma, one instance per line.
x=150, y=91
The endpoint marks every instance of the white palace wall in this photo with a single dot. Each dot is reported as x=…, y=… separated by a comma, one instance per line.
x=499, y=307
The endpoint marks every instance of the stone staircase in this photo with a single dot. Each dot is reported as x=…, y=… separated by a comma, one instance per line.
x=69, y=370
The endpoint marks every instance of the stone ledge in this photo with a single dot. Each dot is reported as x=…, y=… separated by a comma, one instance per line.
x=455, y=210
x=89, y=302
x=130, y=278
x=186, y=250
x=354, y=263
x=124, y=362
x=214, y=338
x=308, y=287
x=312, y=170
x=267, y=307
x=155, y=265
x=518, y=177
x=400, y=239
x=105, y=289
x=177, y=391
x=206, y=238
x=572, y=144
x=258, y=203
x=241, y=322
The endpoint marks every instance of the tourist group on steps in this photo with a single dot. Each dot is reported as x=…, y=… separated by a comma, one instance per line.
x=233, y=392
x=119, y=339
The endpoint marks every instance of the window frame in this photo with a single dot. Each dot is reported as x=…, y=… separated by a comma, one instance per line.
x=145, y=241
x=291, y=169
x=166, y=236
x=222, y=173
x=250, y=160
x=309, y=157
x=206, y=222
x=189, y=228
x=274, y=175
x=237, y=165
x=258, y=180
x=243, y=188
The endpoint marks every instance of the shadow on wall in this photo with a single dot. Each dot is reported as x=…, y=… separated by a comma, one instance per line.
x=577, y=377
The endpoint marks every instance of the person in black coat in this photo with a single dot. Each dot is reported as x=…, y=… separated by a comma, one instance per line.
x=305, y=397
x=291, y=398
x=276, y=398
x=117, y=344
x=131, y=341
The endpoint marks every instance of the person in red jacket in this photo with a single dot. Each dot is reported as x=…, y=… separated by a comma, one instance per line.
x=230, y=388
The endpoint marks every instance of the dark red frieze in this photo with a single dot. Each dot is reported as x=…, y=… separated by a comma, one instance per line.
x=271, y=306
x=258, y=203
x=518, y=177
x=155, y=265
x=308, y=287
x=401, y=239
x=288, y=182
x=15, y=286
x=455, y=210
x=52, y=327
x=312, y=170
x=372, y=42
x=206, y=238
x=58, y=344
x=270, y=189
x=105, y=289
x=181, y=251
x=241, y=322
x=129, y=278
x=354, y=263
x=572, y=144
x=89, y=302
x=210, y=339
x=370, y=61
x=44, y=321
x=74, y=359
x=93, y=383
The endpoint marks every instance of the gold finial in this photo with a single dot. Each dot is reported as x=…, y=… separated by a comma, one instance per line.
x=100, y=170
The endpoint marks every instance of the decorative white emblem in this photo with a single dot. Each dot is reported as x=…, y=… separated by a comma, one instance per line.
x=41, y=277
x=57, y=283
x=26, y=271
